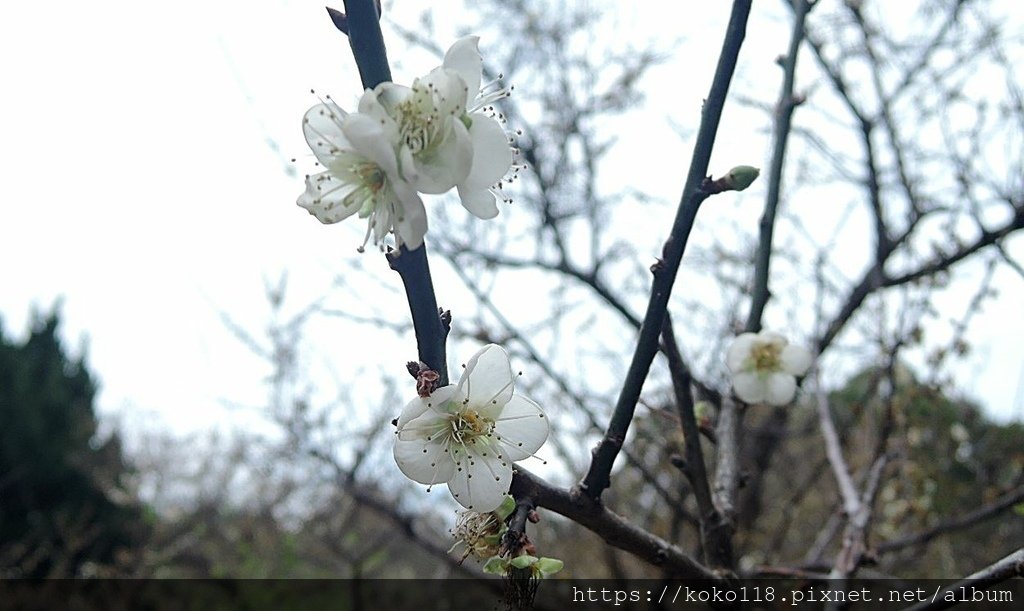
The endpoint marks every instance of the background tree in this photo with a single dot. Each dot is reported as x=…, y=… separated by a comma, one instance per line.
x=67, y=508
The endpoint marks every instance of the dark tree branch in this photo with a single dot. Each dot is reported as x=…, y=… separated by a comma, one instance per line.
x=361, y=18
x=364, y=35
x=614, y=529
x=716, y=533
x=431, y=331
x=597, y=478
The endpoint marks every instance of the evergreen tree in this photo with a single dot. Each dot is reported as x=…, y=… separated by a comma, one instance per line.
x=63, y=509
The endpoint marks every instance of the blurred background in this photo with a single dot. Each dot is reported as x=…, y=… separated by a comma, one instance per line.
x=198, y=379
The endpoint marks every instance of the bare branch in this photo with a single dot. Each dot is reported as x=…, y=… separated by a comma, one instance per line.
x=1009, y=567
x=783, y=120
x=597, y=477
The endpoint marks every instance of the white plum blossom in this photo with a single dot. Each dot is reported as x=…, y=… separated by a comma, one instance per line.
x=468, y=435
x=445, y=123
x=492, y=152
x=429, y=128
x=361, y=175
x=764, y=367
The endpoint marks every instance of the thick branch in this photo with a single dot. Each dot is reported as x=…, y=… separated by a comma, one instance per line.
x=367, y=41
x=431, y=331
x=597, y=478
x=614, y=529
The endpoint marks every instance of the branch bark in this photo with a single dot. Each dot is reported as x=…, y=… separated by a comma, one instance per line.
x=597, y=478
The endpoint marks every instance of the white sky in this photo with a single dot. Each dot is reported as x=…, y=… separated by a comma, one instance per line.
x=137, y=184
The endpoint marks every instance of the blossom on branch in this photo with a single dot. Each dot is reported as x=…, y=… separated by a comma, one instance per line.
x=492, y=151
x=468, y=435
x=441, y=133
x=764, y=367
x=361, y=176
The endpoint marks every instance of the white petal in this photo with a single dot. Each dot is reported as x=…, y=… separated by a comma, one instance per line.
x=487, y=383
x=479, y=202
x=739, y=352
x=324, y=198
x=464, y=58
x=411, y=225
x=415, y=408
x=381, y=100
x=492, y=154
x=779, y=389
x=749, y=387
x=771, y=337
x=451, y=95
x=446, y=163
x=321, y=126
x=796, y=360
x=521, y=429
x=480, y=482
x=367, y=138
x=423, y=461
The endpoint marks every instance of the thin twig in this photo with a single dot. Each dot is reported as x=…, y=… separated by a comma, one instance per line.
x=597, y=478
x=783, y=120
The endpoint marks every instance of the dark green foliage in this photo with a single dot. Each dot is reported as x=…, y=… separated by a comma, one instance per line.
x=62, y=509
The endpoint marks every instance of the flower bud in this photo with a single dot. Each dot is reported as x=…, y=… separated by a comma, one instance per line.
x=740, y=177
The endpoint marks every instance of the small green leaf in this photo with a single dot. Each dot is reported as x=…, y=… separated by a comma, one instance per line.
x=549, y=566
x=521, y=562
x=496, y=566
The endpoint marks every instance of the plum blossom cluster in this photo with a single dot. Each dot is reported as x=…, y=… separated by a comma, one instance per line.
x=764, y=367
x=439, y=134
x=467, y=435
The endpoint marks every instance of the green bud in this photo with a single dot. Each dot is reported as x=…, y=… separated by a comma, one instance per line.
x=741, y=177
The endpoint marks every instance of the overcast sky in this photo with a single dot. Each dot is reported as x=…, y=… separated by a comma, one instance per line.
x=138, y=184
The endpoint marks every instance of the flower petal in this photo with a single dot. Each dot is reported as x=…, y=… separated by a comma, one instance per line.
x=771, y=337
x=463, y=57
x=749, y=387
x=415, y=408
x=321, y=125
x=796, y=360
x=479, y=202
x=367, y=138
x=480, y=482
x=492, y=154
x=521, y=429
x=739, y=352
x=779, y=389
x=411, y=224
x=424, y=461
x=445, y=163
x=324, y=198
x=487, y=380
